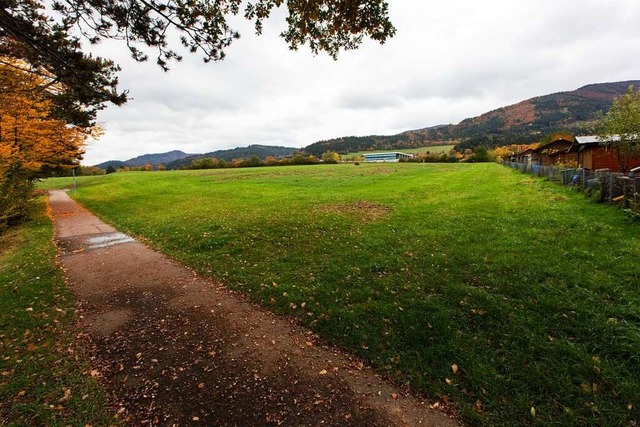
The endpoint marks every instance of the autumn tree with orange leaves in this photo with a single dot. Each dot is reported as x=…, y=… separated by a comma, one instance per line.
x=32, y=142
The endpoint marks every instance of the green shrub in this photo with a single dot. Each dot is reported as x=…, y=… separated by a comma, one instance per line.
x=15, y=189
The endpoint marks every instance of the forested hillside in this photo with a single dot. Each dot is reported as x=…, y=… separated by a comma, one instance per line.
x=524, y=122
x=152, y=159
x=260, y=151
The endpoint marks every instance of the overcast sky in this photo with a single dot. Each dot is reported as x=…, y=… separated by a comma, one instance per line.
x=449, y=60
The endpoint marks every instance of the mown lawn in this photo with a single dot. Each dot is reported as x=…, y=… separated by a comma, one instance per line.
x=43, y=379
x=510, y=298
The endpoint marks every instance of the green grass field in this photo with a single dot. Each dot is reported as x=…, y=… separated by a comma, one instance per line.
x=432, y=149
x=43, y=379
x=513, y=300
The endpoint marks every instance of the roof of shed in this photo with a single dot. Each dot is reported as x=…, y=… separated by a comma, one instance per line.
x=527, y=151
x=595, y=139
x=557, y=144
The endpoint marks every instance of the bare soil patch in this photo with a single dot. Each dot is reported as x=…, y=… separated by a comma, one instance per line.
x=365, y=210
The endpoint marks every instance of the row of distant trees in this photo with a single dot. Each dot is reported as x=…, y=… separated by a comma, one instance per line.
x=479, y=154
x=205, y=163
x=96, y=170
x=254, y=161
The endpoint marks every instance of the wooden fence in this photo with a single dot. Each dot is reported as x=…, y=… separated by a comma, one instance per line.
x=607, y=186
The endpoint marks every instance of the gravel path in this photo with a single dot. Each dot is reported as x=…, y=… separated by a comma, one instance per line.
x=173, y=348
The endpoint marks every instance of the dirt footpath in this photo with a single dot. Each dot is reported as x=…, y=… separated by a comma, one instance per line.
x=173, y=348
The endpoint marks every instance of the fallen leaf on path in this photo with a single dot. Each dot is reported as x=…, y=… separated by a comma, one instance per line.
x=66, y=395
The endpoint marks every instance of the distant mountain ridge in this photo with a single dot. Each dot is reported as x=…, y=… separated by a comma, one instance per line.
x=156, y=159
x=153, y=159
x=524, y=122
x=260, y=151
x=350, y=144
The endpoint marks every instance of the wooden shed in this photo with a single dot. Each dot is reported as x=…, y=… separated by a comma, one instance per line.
x=556, y=152
x=527, y=156
x=593, y=154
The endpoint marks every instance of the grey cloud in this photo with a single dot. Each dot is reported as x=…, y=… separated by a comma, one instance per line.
x=370, y=100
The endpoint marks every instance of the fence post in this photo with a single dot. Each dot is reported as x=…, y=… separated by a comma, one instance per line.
x=636, y=192
x=611, y=180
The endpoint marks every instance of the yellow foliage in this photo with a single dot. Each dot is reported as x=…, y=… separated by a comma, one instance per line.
x=31, y=140
x=503, y=152
x=29, y=136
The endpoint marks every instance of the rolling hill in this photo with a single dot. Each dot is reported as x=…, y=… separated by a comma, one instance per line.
x=153, y=159
x=524, y=122
x=260, y=151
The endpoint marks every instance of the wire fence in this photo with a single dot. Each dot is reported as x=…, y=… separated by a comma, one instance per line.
x=607, y=186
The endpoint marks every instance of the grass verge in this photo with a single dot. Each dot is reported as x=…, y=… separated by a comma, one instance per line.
x=43, y=379
x=512, y=298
